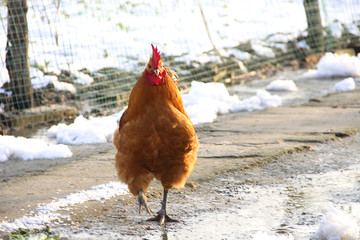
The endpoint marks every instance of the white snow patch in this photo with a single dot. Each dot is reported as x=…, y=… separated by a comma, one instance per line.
x=236, y=53
x=262, y=50
x=63, y=86
x=282, y=85
x=334, y=65
x=264, y=236
x=88, y=33
x=85, y=131
x=83, y=78
x=303, y=44
x=336, y=224
x=42, y=81
x=206, y=100
x=348, y=84
x=4, y=76
x=29, y=149
x=39, y=80
x=118, y=115
x=203, y=103
x=261, y=101
x=44, y=214
x=9, y=93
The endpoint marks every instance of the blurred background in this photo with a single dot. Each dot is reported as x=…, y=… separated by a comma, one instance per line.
x=61, y=58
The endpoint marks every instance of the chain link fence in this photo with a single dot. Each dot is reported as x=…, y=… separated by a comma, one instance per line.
x=60, y=58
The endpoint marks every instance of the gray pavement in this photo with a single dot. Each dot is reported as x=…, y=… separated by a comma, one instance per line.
x=235, y=142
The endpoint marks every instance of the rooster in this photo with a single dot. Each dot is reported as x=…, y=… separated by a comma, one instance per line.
x=155, y=138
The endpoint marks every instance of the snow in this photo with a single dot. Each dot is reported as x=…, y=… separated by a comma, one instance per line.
x=206, y=100
x=4, y=75
x=39, y=80
x=63, y=86
x=85, y=34
x=83, y=78
x=260, y=49
x=348, y=84
x=260, y=101
x=303, y=44
x=334, y=65
x=203, y=103
x=237, y=53
x=85, y=131
x=44, y=214
x=6, y=92
x=336, y=224
x=282, y=85
x=264, y=236
x=83, y=38
x=29, y=149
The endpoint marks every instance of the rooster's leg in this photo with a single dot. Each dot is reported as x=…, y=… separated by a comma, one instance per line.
x=162, y=217
x=143, y=203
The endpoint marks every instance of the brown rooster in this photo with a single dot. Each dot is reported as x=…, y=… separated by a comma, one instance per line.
x=155, y=138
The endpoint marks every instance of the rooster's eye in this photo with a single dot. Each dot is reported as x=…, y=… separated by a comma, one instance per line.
x=149, y=65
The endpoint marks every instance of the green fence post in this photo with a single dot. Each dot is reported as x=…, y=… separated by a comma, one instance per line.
x=315, y=29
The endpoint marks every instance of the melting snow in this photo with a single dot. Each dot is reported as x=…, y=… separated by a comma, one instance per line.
x=260, y=49
x=85, y=131
x=39, y=80
x=83, y=78
x=206, y=100
x=203, y=103
x=336, y=224
x=264, y=236
x=260, y=101
x=44, y=214
x=334, y=65
x=282, y=85
x=347, y=84
x=28, y=149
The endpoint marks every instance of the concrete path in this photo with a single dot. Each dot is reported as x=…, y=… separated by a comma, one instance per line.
x=234, y=142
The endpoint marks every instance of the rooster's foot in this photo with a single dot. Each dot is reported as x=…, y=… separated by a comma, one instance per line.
x=162, y=218
x=143, y=203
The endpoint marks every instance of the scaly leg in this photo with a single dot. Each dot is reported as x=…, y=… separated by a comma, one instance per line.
x=143, y=203
x=162, y=217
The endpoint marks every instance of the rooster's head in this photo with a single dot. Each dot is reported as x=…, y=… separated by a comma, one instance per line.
x=155, y=72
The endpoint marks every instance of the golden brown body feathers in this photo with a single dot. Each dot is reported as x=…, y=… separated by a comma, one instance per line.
x=155, y=138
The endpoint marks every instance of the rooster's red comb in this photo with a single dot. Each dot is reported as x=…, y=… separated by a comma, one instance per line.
x=155, y=55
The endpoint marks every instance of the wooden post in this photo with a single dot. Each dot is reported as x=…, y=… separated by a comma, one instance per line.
x=315, y=38
x=17, y=61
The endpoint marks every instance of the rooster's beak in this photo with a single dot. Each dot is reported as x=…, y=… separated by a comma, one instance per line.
x=157, y=71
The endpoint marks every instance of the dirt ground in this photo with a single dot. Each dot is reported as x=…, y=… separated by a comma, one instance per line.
x=235, y=143
x=286, y=196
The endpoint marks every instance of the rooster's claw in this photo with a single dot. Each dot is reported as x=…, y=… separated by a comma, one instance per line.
x=143, y=203
x=162, y=218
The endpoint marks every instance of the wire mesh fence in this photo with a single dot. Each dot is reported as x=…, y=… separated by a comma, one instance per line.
x=59, y=58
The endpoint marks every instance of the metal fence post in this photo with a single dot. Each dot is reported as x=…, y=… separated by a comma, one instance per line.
x=315, y=29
